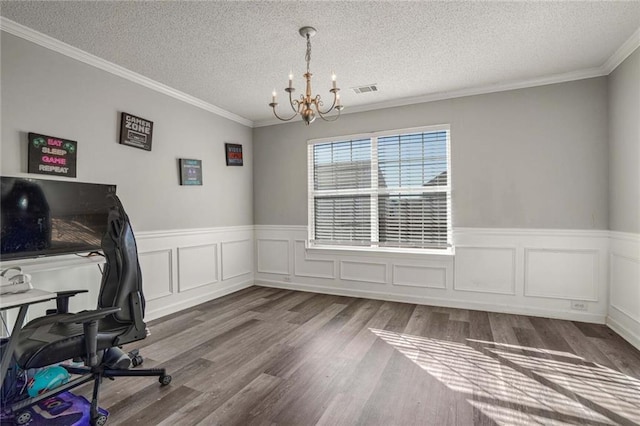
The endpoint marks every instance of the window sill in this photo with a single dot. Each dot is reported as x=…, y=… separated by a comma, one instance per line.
x=380, y=251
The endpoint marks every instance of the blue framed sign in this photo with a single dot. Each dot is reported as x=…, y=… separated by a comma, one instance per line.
x=190, y=172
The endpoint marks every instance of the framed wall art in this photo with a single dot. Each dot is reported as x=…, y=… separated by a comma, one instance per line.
x=50, y=155
x=233, y=153
x=190, y=172
x=136, y=131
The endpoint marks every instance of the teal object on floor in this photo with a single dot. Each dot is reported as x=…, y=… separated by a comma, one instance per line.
x=46, y=379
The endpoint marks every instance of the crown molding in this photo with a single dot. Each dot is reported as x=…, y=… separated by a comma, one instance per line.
x=58, y=46
x=623, y=52
x=481, y=90
x=11, y=27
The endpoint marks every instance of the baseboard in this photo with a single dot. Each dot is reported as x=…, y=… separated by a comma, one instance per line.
x=624, y=332
x=197, y=300
x=448, y=303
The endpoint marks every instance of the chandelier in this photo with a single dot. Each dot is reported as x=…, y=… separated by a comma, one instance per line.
x=307, y=106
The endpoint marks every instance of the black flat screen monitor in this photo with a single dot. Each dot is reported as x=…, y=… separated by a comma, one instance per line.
x=49, y=217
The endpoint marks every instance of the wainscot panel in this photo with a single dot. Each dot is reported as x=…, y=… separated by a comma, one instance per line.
x=237, y=258
x=307, y=266
x=273, y=256
x=197, y=266
x=157, y=268
x=561, y=274
x=368, y=272
x=416, y=275
x=624, y=282
x=486, y=270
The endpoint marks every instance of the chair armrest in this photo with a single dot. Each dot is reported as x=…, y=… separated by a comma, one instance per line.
x=89, y=320
x=69, y=293
x=88, y=316
x=62, y=301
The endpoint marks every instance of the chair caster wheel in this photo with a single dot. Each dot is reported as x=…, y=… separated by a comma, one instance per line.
x=101, y=420
x=23, y=418
x=164, y=380
x=137, y=360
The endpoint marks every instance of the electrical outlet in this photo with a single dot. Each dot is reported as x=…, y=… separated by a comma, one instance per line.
x=577, y=305
x=287, y=278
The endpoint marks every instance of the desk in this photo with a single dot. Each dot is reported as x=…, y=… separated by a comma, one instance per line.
x=22, y=301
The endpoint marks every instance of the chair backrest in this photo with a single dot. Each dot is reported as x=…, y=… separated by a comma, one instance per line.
x=121, y=278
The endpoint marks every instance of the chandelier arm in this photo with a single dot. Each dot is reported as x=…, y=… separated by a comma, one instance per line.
x=333, y=104
x=291, y=101
x=283, y=119
x=333, y=118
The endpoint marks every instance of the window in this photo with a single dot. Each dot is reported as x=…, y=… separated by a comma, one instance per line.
x=388, y=189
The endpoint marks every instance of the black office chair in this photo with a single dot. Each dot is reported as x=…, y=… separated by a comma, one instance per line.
x=118, y=320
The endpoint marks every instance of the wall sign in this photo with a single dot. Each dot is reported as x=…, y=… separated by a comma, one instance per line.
x=52, y=156
x=135, y=131
x=190, y=172
x=233, y=154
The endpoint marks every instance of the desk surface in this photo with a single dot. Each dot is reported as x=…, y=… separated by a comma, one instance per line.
x=32, y=296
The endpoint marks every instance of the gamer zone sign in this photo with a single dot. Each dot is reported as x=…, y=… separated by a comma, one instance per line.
x=52, y=156
x=136, y=131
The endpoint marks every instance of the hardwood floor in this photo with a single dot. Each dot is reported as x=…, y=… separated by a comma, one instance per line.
x=266, y=356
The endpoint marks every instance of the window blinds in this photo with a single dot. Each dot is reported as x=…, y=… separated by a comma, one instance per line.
x=387, y=191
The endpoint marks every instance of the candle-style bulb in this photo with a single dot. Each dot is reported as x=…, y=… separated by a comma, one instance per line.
x=338, y=99
x=333, y=79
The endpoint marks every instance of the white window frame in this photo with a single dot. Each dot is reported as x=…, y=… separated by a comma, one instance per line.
x=374, y=191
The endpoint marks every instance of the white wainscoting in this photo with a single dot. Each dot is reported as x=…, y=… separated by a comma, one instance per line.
x=366, y=272
x=273, y=256
x=624, y=286
x=57, y=274
x=180, y=269
x=532, y=272
x=562, y=273
x=204, y=264
x=306, y=265
x=237, y=258
x=157, y=268
x=197, y=266
x=428, y=274
x=485, y=269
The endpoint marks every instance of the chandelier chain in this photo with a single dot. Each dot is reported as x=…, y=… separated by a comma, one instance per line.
x=307, y=57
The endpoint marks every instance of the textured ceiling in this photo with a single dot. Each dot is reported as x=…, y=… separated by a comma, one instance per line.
x=232, y=54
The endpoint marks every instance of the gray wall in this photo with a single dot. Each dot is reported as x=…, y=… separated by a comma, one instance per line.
x=529, y=158
x=624, y=140
x=46, y=92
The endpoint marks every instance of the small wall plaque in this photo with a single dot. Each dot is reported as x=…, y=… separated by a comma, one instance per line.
x=190, y=172
x=136, y=131
x=234, y=154
x=50, y=155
